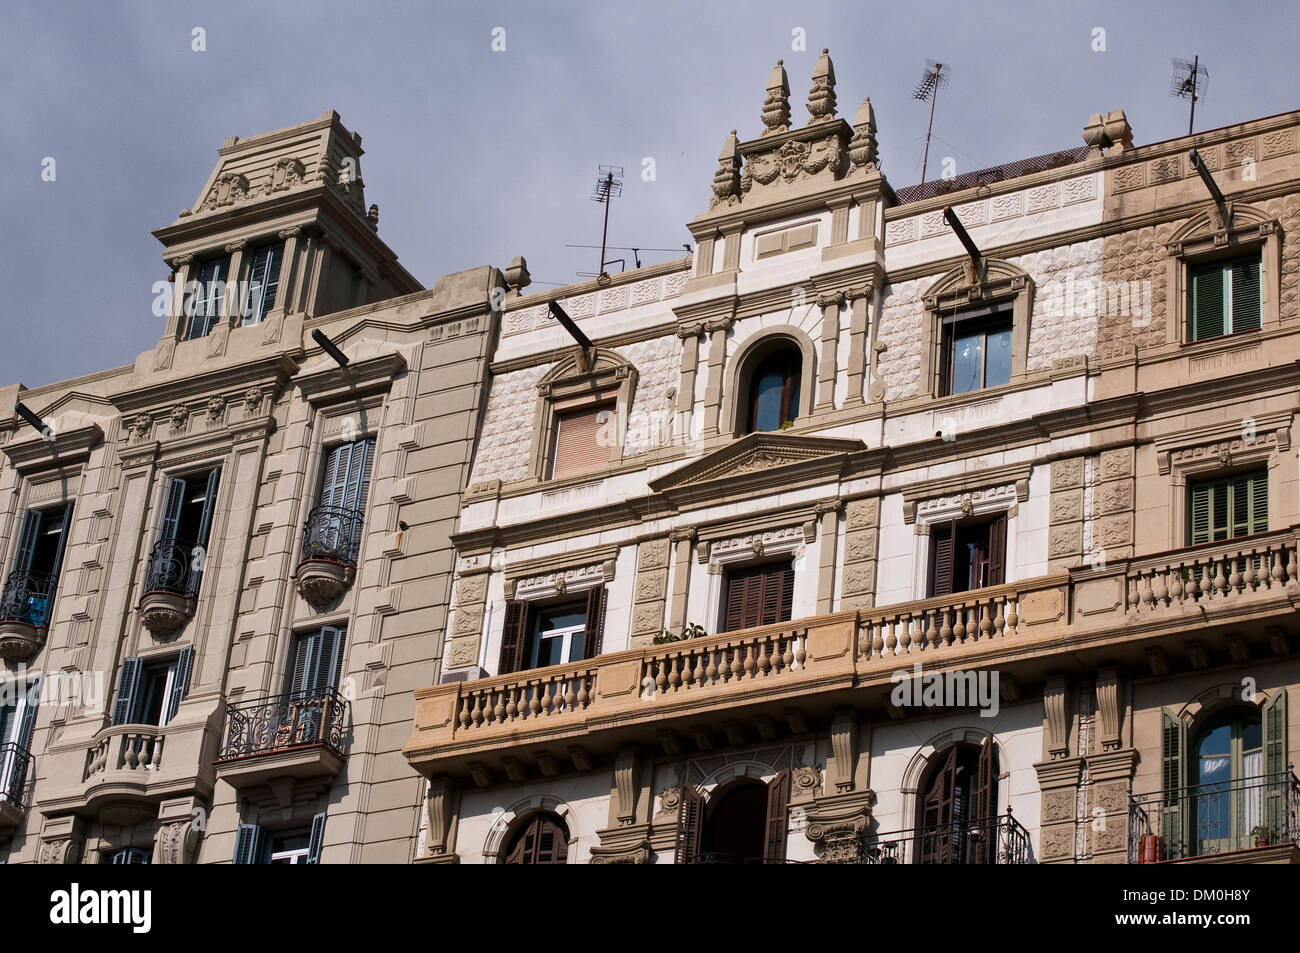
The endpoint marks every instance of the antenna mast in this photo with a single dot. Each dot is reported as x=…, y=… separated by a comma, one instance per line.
x=932, y=80
x=1190, y=82
x=609, y=186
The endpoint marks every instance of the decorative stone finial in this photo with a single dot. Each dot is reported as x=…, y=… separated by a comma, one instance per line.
x=373, y=215
x=726, y=181
x=517, y=276
x=862, y=147
x=821, y=98
x=776, y=108
x=1118, y=131
x=1094, y=135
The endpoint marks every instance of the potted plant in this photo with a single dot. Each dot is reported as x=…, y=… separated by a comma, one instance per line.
x=692, y=631
x=1263, y=835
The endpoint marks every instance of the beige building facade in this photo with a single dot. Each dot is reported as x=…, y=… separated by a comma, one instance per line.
x=952, y=524
x=223, y=563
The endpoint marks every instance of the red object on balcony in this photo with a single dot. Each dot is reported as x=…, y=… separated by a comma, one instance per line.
x=1151, y=849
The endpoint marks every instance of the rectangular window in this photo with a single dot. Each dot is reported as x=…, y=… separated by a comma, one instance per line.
x=976, y=350
x=150, y=693
x=581, y=441
x=263, y=283
x=29, y=589
x=558, y=635
x=257, y=845
x=128, y=855
x=187, y=512
x=17, y=719
x=204, y=305
x=1227, y=297
x=290, y=848
x=758, y=595
x=967, y=555
x=345, y=480
x=317, y=659
x=1228, y=507
x=535, y=636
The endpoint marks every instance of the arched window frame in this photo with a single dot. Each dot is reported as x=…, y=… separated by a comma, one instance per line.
x=573, y=385
x=740, y=374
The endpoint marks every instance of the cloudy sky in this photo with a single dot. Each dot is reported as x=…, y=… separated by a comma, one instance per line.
x=476, y=155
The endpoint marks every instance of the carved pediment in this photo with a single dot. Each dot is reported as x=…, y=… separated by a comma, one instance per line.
x=753, y=455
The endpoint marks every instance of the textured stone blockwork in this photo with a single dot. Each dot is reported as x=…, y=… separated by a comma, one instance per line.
x=650, y=591
x=861, y=533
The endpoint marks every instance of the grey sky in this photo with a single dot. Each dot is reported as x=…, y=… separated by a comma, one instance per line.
x=475, y=156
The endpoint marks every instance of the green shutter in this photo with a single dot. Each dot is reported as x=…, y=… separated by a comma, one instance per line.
x=1207, y=302
x=1246, y=298
x=317, y=839
x=1174, y=744
x=1229, y=507
x=1276, y=762
x=180, y=683
x=250, y=844
x=1201, y=493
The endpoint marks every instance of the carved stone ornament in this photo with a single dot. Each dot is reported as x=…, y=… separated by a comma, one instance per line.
x=776, y=107
x=669, y=800
x=253, y=400
x=862, y=147
x=229, y=189
x=285, y=174
x=793, y=160
x=726, y=181
x=179, y=414
x=215, y=407
x=637, y=854
x=177, y=842
x=838, y=841
x=61, y=851
x=807, y=777
x=140, y=426
x=821, y=98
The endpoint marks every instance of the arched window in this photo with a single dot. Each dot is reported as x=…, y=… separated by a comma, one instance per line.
x=774, y=391
x=746, y=822
x=1227, y=770
x=542, y=839
x=958, y=806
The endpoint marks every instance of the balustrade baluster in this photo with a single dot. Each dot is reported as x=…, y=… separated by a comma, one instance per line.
x=959, y=628
x=661, y=677
x=1013, y=618
x=1148, y=595
x=1205, y=586
x=1176, y=584
x=999, y=621
x=931, y=640
x=986, y=622
x=570, y=695
x=946, y=631
x=1291, y=566
x=584, y=692
x=157, y=751
x=905, y=638
x=877, y=640
x=801, y=655
x=512, y=707
x=1234, y=577
x=1220, y=578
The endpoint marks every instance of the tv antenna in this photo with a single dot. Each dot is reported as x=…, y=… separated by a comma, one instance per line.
x=636, y=254
x=609, y=186
x=932, y=80
x=1190, y=82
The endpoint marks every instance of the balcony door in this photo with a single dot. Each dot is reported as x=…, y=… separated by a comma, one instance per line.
x=29, y=589
x=758, y=595
x=334, y=527
x=967, y=555
x=543, y=839
x=17, y=719
x=318, y=659
x=745, y=822
x=1228, y=803
x=958, y=806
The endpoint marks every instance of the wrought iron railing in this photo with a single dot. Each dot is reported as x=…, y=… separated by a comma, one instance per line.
x=175, y=566
x=332, y=533
x=722, y=857
x=14, y=762
x=26, y=597
x=1203, y=819
x=992, y=840
x=279, y=723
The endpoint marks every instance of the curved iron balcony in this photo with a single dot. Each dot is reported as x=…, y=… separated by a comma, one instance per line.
x=14, y=762
x=175, y=567
x=333, y=534
x=26, y=598
x=283, y=723
x=990, y=840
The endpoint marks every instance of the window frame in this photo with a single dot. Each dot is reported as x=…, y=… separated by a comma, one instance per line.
x=250, y=316
x=791, y=387
x=576, y=383
x=997, y=526
x=190, y=306
x=1226, y=478
x=586, y=407
x=765, y=569
x=1224, y=267
x=980, y=320
x=998, y=286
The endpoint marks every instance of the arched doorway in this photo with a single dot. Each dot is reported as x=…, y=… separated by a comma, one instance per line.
x=541, y=839
x=957, y=808
x=735, y=825
x=1227, y=776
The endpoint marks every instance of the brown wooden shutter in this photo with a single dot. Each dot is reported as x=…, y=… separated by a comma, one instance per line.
x=578, y=448
x=944, y=540
x=985, y=807
x=759, y=595
x=778, y=798
x=998, y=551
x=542, y=841
x=690, y=816
x=514, y=635
x=594, y=634
x=936, y=841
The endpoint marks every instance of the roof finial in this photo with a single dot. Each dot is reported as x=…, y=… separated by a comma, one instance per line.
x=726, y=181
x=776, y=108
x=821, y=98
x=862, y=147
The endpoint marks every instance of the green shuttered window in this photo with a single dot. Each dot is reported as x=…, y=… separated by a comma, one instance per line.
x=1226, y=297
x=1228, y=507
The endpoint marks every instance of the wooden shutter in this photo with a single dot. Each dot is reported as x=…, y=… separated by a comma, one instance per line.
x=1173, y=748
x=64, y=531
x=690, y=818
x=778, y=594
x=513, y=637
x=172, y=508
x=936, y=840
x=128, y=683
x=330, y=658
x=1276, y=765
x=250, y=844
x=738, y=584
x=759, y=595
x=209, y=506
x=1207, y=302
x=180, y=683
x=358, y=480
x=1202, y=495
x=944, y=540
x=27, y=538
x=317, y=839
x=334, y=478
x=1249, y=504
x=594, y=633
x=778, y=799
x=305, y=650
x=997, y=555
x=263, y=283
x=208, y=298
x=984, y=810
x=577, y=447
x=1245, y=294
x=27, y=720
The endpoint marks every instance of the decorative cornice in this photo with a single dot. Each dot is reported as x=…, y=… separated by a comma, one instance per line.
x=63, y=449
x=331, y=382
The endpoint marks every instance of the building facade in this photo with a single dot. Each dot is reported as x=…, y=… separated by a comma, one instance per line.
x=222, y=563
x=877, y=532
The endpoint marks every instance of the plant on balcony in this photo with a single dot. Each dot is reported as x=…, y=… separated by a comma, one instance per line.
x=1263, y=835
x=692, y=631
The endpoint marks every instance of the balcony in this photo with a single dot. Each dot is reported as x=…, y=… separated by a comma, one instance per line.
x=1227, y=599
x=24, y=613
x=15, y=763
x=331, y=542
x=1251, y=820
x=171, y=586
x=287, y=740
x=993, y=840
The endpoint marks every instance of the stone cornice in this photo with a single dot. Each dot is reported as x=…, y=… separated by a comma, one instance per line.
x=586, y=287
x=66, y=448
x=227, y=379
x=358, y=377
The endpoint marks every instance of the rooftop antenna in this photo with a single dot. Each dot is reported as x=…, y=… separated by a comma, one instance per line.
x=1190, y=82
x=932, y=80
x=609, y=186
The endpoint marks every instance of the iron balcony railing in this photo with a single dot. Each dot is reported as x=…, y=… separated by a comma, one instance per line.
x=332, y=533
x=175, y=566
x=1214, y=818
x=278, y=723
x=993, y=840
x=26, y=597
x=14, y=762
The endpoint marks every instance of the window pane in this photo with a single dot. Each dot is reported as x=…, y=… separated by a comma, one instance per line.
x=997, y=361
x=767, y=401
x=967, y=362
